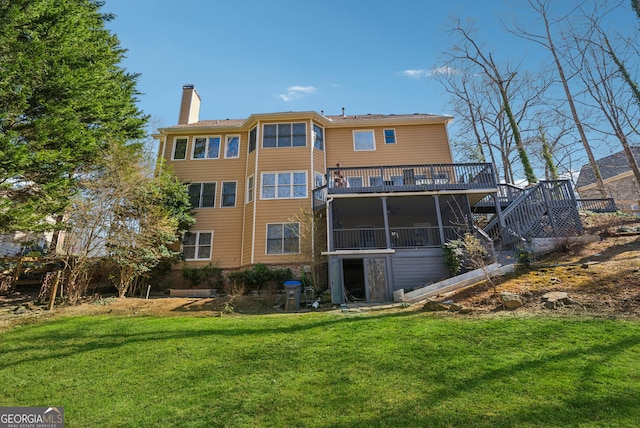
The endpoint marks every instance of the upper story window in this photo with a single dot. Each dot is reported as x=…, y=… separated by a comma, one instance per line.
x=364, y=140
x=389, y=136
x=202, y=195
x=228, y=194
x=179, y=148
x=285, y=135
x=318, y=137
x=206, y=148
x=232, y=147
x=253, y=137
x=284, y=185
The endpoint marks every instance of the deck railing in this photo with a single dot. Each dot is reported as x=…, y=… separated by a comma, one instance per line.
x=401, y=237
x=372, y=179
x=607, y=205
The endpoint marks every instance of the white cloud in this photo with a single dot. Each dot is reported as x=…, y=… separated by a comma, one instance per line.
x=295, y=92
x=424, y=72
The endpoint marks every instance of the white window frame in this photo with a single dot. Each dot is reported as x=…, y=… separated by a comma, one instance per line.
x=313, y=134
x=251, y=188
x=227, y=140
x=291, y=135
x=197, y=245
x=357, y=132
x=282, y=239
x=253, y=130
x=384, y=135
x=206, y=147
x=291, y=185
x=235, y=194
x=175, y=145
x=215, y=189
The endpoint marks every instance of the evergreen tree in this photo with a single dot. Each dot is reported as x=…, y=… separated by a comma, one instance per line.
x=63, y=94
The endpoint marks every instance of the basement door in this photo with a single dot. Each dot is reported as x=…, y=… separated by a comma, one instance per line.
x=376, y=279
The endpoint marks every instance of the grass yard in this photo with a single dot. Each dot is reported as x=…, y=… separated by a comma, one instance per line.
x=400, y=369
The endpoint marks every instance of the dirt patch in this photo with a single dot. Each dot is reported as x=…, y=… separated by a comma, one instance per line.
x=603, y=277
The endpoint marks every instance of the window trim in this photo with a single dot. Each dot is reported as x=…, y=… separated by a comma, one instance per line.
x=186, y=148
x=235, y=194
x=313, y=133
x=282, y=246
x=206, y=147
x=226, y=146
x=197, y=245
x=362, y=131
x=251, y=148
x=395, y=137
x=291, y=185
x=202, y=183
x=250, y=192
x=277, y=125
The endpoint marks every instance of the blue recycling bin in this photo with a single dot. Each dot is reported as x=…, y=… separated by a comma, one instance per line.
x=292, y=295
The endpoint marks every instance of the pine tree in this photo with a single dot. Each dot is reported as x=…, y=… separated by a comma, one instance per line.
x=63, y=94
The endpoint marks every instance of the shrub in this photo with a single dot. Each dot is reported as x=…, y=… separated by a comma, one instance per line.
x=259, y=276
x=211, y=276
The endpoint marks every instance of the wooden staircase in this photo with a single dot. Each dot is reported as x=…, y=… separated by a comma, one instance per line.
x=545, y=210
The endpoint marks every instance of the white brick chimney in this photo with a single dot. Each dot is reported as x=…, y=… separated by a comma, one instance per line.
x=189, y=106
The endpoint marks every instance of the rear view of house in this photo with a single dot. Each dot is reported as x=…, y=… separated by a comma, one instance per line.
x=375, y=195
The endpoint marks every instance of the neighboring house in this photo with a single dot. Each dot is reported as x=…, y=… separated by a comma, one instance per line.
x=618, y=178
x=20, y=243
x=386, y=185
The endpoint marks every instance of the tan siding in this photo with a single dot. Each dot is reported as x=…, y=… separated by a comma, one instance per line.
x=226, y=224
x=416, y=144
x=248, y=211
x=276, y=211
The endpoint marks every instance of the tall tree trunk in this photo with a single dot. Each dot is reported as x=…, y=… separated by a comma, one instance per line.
x=574, y=113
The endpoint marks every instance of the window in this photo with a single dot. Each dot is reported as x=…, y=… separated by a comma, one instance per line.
x=206, y=148
x=355, y=182
x=283, y=238
x=197, y=245
x=180, y=148
x=202, y=195
x=253, y=136
x=364, y=140
x=250, y=187
x=318, y=137
x=319, y=182
x=285, y=135
x=389, y=136
x=228, y=194
x=284, y=185
x=232, y=149
x=375, y=181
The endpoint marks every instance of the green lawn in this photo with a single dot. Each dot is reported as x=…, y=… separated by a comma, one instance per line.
x=405, y=369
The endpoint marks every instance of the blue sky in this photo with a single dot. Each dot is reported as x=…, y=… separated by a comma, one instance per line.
x=260, y=56
x=368, y=56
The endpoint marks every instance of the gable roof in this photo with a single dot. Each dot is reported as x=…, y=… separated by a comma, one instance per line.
x=609, y=167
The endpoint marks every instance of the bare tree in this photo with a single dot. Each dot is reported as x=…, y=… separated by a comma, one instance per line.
x=606, y=83
x=500, y=77
x=546, y=40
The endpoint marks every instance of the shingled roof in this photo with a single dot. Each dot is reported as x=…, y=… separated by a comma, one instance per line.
x=609, y=167
x=333, y=119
